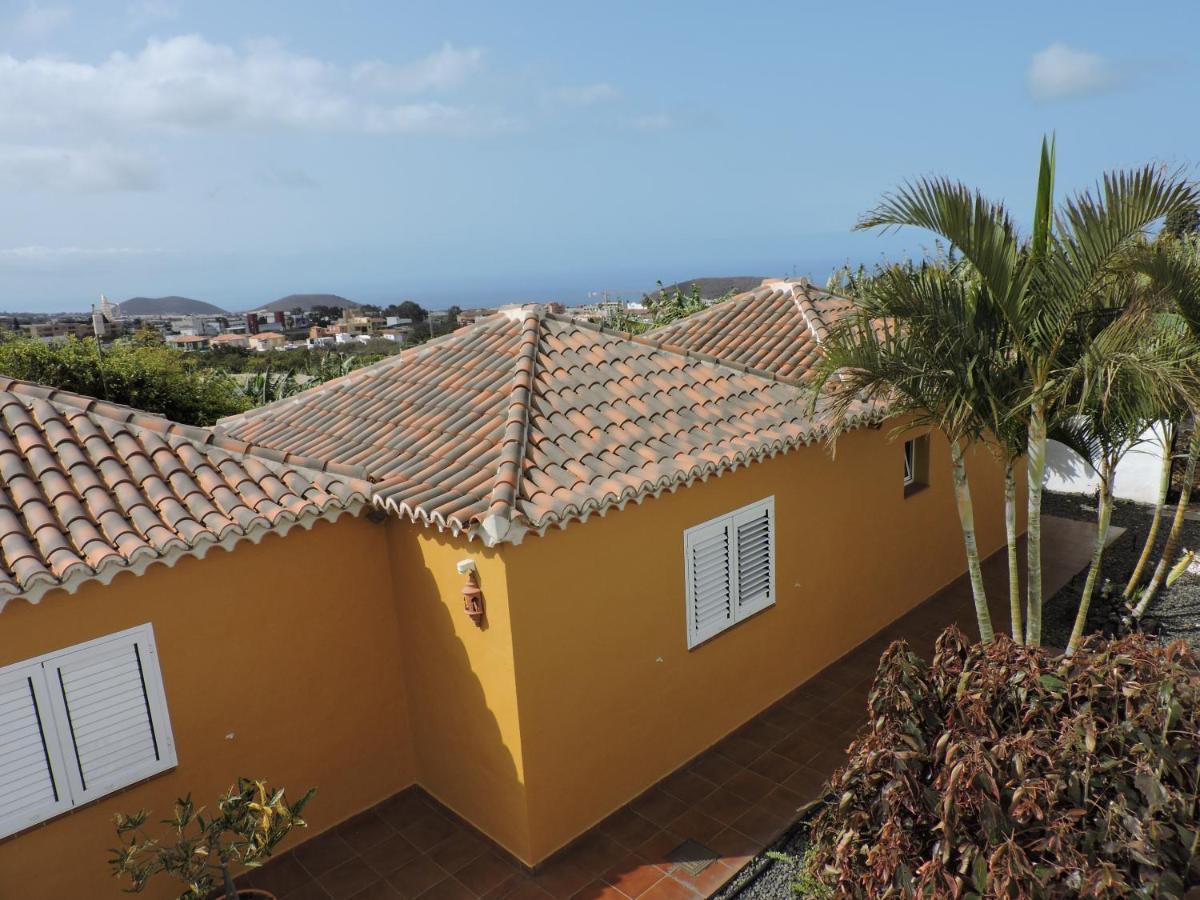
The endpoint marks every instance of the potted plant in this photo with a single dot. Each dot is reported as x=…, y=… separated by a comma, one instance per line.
x=250, y=823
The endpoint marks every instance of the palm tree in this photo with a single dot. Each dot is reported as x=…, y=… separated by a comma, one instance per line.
x=1045, y=288
x=1173, y=269
x=1128, y=373
x=921, y=344
x=1165, y=432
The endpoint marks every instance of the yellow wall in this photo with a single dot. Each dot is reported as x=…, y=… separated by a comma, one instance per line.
x=460, y=680
x=611, y=699
x=577, y=694
x=290, y=644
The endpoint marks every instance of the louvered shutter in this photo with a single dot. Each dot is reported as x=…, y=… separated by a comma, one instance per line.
x=708, y=554
x=32, y=787
x=110, y=713
x=754, y=530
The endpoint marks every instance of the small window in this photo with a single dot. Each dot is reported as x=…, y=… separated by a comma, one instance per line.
x=916, y=464
x=79, y=724
x=730, y=569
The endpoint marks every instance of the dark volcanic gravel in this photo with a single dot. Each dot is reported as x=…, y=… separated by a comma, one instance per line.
x=1175, y=614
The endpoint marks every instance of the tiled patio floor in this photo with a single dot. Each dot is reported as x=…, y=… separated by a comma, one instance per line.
x=734, y=799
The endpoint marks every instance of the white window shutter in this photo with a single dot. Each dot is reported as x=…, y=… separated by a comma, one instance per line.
x=711, y=579
x=32, y=786
x=754, y=530
x=111, y=713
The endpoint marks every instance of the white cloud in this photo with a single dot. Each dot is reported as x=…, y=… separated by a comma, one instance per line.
x=438, y=71
x=1059, y=71
x=187, y=84
x=37, y=21
x=583, y=95
x=95, y=169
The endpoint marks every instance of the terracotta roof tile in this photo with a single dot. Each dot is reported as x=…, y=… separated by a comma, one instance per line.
x=776, y=328
x=525, y=420
x=89, y=489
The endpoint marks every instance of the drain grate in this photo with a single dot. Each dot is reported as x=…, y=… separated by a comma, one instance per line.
x=693, y=857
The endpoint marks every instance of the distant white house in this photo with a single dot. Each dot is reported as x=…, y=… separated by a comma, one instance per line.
x=1137, y=477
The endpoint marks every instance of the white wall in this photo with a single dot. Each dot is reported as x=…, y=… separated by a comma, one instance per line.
x=1137, y=474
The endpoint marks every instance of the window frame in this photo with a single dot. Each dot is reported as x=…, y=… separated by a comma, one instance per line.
x=916, y=464
x=730, y=523
x=62, y=756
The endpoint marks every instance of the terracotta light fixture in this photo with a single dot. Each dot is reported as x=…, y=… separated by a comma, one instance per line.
x=472, y=593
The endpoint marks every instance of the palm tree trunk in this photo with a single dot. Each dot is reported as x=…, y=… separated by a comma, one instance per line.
x=1104, y=517
x=1014, y=569
x=1037, y=471
x=966, y=517
x=1172, y=544
x=1164, y=485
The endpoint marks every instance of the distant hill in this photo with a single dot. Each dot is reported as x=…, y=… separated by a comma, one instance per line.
x=168, y=306
x=308, y=301
x=712, y=288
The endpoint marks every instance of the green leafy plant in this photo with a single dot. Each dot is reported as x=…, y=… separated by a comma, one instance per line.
x=999, y=770
x=250, y=822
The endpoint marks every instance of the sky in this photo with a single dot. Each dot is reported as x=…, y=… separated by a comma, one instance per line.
x=479, y=153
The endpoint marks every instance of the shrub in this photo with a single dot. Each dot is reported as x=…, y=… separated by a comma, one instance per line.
x=1001, y=771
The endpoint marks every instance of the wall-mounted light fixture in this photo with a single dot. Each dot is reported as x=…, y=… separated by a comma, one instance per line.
x=472, y=593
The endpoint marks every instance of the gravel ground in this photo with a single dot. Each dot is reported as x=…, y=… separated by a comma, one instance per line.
x=1176, y=614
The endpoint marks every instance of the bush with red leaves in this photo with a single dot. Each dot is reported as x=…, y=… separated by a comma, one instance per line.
x=997, y=771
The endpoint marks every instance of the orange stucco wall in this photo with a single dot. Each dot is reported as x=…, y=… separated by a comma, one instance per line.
x=342, y=658
x=290, y=645
x=461, y=683
x=611, y=699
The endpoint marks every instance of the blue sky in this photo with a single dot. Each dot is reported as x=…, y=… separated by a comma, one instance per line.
x=486, y=152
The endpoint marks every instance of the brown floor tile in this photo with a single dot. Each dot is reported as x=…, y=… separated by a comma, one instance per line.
x=774, y=767
x=829, y=758
x=707, y=882
x=380, y=890
x=427, y=830
x=740, y=750
x=627, y=828
x=323, y=853
x=736, y=849
x=310, y=891
x=449, y=889
x=802, y=746
x=714, y=767
x=749, y=785
x=783, y=718
x=414, y=878
x=783, y=801
x=759, y=731
x=670, y=889
x=561, y=877
x=280, y=875
x=457, y=850
x=687, y=786
x=806, y=702
x=724, y=806
x=597, y=890
x=486, y=873
x=634, y=876
x=695, y=825
x=364, y=831
x=656, y=848
x=762, y=823
x=658, y=806
x=344, y=881
x=389, y=856
x=595, y=853
x=520, y=888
